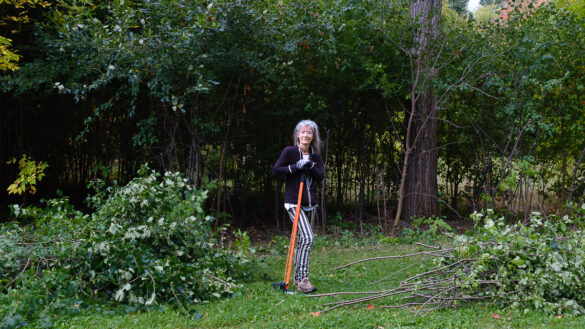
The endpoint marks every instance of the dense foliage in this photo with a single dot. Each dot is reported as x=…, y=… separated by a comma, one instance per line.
x=193, y=86
x=539, y=266
x=148, y=242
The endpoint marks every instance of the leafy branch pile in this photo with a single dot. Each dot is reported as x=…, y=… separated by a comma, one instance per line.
x=147, y=242
x=540, y=266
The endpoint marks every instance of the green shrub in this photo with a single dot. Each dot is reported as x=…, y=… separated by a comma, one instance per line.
x=147, y=242
x=424, y=229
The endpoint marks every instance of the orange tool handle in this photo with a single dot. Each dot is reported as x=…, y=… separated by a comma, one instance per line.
x=293, y=238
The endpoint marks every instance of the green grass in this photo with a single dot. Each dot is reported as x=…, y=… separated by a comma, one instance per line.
x=258, y=305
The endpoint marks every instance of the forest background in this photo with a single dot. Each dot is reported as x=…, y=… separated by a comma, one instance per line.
x=137, y=140
x=487, y=114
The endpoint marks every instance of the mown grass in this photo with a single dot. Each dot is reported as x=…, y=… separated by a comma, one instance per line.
x=258, y=305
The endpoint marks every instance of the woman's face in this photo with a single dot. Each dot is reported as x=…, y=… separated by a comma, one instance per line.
x=305, y=134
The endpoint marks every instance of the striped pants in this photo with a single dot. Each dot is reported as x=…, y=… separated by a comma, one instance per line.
x=304, y=242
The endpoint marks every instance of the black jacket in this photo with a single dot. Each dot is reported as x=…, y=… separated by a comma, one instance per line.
x=285, y=166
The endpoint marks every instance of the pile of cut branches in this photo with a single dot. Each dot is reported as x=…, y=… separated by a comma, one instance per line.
x=146, y=243
x=540, y=266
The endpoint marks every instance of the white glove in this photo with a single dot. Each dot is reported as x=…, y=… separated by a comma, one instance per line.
x=302, y=162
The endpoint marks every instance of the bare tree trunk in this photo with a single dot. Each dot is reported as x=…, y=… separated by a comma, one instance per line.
x=193, y=162
x=523, y=198
x=563, y=182
x=377, y=178
x=323, y=186
x=407, y=151
x=220, y=178
x=384, y=198
x=339, y=183
x=276, y=205
x=360, y=167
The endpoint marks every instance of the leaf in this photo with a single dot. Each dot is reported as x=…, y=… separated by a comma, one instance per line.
x=151, y=299
x=370, y=307
x=119, y=295
x=496, y=316
x=315, y=314
x=557, y=267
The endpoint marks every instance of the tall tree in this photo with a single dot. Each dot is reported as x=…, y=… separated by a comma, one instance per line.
x=418, y=186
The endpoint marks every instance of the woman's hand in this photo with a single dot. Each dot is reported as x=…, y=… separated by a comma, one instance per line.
x=304, y=163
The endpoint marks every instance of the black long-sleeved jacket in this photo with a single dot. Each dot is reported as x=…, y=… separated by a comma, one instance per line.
x=285, y=166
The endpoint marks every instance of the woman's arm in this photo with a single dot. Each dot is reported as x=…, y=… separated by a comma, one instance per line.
x=318, y=169
x=284, y=166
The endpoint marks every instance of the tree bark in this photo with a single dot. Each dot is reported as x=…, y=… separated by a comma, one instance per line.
x=418, y=185
x=421, y=188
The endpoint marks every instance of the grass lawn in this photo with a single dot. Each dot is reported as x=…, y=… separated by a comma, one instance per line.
x=258, y=305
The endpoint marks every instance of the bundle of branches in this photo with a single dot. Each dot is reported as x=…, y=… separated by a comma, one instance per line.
x=539, y=266
x=147, y=242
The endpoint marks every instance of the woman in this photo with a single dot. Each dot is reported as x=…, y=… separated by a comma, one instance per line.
x=302, y=156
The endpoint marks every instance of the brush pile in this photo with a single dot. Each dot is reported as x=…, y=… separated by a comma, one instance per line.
x=540, y=266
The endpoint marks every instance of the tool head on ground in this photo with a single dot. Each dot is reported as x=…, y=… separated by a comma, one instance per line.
x=283, y=287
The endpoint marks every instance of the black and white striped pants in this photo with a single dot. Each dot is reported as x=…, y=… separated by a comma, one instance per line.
x=304, y=242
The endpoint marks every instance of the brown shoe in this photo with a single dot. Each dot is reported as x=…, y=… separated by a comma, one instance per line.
x=304, y=285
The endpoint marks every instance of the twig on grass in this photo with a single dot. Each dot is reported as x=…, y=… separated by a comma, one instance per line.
x=428, y=246
x=178, y=301
x=347, y=293
x=431, y=253
x=400, y=270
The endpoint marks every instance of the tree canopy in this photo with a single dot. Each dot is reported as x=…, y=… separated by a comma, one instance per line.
x=214, y=88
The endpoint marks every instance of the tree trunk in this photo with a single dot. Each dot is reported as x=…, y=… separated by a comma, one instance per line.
x=418, y=185
x=421, y=188
x=339, y=182
x=384, y=198
x=360, y=168
x=563, y=182
x=377, y=182
x=323, y=187
x=220, y=178
x=277, y=204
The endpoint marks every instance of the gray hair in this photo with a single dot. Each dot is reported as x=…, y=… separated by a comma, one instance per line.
x=316, y=142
